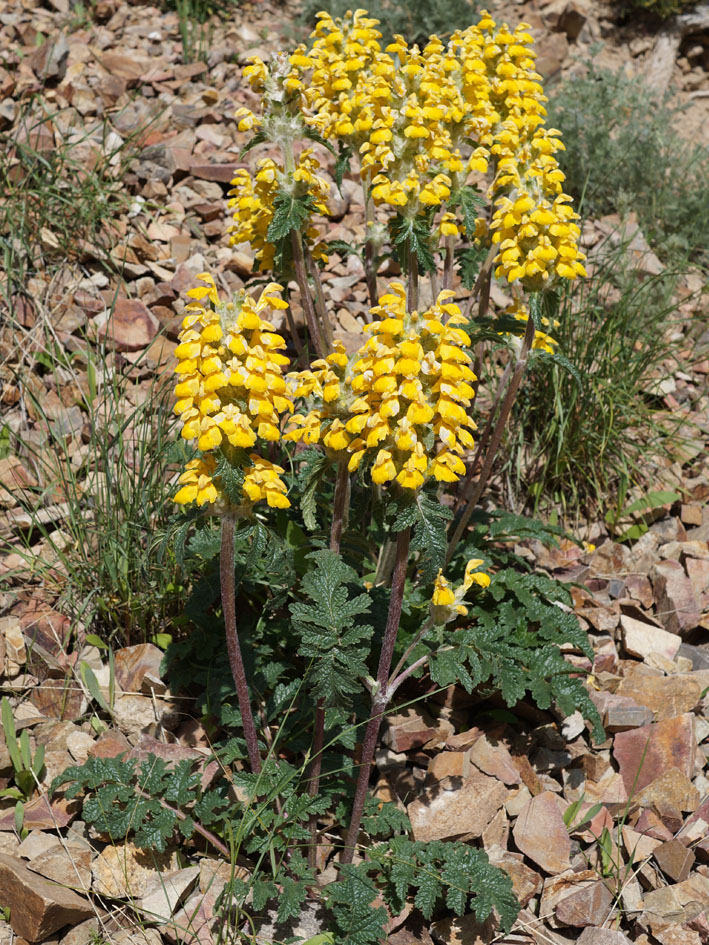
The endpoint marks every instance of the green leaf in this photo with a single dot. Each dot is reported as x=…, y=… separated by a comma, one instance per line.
x=331, y=638
x=412, y=235
x=88, y=677
x=96, y=641
x=8, y=724
x=470, y=200
x=342, y=164
x=258, y=138
x=291, y=897
x=469, y=260
x=314, y=468
x=289, y=213
x=652, y=500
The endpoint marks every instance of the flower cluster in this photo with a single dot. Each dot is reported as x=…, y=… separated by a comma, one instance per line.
x=532, y=222
x=231, y=391
x=254, y=201
x=326, y=385
x=542, y=341
x=447, y=602
x=404, y=400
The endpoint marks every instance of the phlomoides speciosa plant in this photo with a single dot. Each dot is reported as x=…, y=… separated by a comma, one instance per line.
x=461, y=186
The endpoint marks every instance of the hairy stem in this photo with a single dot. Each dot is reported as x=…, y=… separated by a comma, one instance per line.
x=306, y=300
x=448, y=262
x=496, y=437
x=412, y=294
x=370, y=268
x=339, y=517
x=226, y=574
x=320, y=306
x=381, y=696
x=291, y=326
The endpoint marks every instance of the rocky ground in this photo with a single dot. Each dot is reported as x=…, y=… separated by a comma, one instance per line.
x=115, y=84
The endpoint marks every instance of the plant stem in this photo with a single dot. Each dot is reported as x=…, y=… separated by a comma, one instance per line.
x=291, y=326
x=381, y=696
x=198, y=828
x=370, y=270
x=482, y=442
x=301, y=277
x=448, y=263
x=484, y=275
x=226, y=574
x=320, y=306
x=496, y=437
x=412, y=294
x=339, y=516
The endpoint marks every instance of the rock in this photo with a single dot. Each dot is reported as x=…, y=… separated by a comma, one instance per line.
x=166, y=892
x=407, y=730
x=110, y=745
x=551, y=50
x=60, y=699
x=665, y=696
x=86, y=933
x=136, y=714
x=677, y=604
x=312, y=921
x=195, y=923
x=221, y=173
x=526, y=883
x=131, y=68
x=465, y=930
x=643, y=639
x=37, y=906
x=133, y=662
x=643, y=754
x=41, y=815
x=495, y=760
x=448, y=764
x=170, y=753
x=541, y=834
x=127, y=872
x=67, y=863
x=79, y=745
x=620, y=713
x=586, y=907
x=557, y=888
x=679, y=903
x=131, y=325
x=674, y=859
x=672, y=790
x=453, y=809
x=597, y=936
x=36, y=843
x=49, y=61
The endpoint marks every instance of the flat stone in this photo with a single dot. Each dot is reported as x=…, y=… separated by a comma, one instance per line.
x=452, y=809
x=671, y=790
x=40, y=814
x=556, y=888
x=541, y=834
x=37, y=906
x=526, y=882
x=677, y=604
x=133, y=662
x=221, y=173
x=619, y=713
x=60, y=699
x=495, y=760
x=448, y=764
x=137, y=714
x=596, y=936
x=643, y=754
x=127, y=872
x=674, y=859
x=163, y=896
x=586, y=907
x=643, y=639
x=110, y=745
x=665, y=696
x=465, y=930
x=68, y=863
x=407, y=730
x=131, y=325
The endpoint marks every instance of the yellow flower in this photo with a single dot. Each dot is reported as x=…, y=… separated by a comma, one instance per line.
x=447, y=602
x=231, y=391
x=262, y=481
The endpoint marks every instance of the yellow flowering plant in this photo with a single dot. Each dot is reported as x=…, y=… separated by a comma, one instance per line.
x=353, y=454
